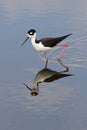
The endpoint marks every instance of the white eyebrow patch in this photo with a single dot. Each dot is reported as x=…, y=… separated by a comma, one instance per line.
x=31, y=32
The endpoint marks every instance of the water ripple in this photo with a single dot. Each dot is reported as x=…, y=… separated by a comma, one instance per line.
x=75, y=55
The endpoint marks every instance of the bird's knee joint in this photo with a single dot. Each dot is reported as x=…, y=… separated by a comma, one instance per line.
x=66, y=45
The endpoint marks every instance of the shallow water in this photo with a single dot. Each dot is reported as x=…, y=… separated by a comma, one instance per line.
x=61, y=104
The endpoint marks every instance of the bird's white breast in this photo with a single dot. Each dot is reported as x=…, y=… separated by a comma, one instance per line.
x=39, y=46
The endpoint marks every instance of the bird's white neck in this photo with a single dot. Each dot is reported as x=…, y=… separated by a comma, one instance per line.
x=33, y=38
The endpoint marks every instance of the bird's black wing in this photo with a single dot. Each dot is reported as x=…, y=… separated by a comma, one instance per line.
x=51, y=42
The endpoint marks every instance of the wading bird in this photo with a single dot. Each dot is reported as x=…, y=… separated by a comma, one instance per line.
x=46, y=44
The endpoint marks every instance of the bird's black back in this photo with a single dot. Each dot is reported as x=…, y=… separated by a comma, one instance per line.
x=51, y=42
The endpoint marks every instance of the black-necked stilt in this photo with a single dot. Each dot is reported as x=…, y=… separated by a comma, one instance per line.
x=46, y=44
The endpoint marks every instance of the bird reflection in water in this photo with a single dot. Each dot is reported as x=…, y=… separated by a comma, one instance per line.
x=46, y=75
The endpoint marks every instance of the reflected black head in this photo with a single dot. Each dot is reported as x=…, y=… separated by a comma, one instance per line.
x=34, y=93
x=31, y=32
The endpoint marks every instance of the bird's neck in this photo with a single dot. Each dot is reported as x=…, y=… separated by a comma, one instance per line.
x=36, y=87
x=33, y=39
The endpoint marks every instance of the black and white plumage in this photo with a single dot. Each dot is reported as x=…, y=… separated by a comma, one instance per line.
x=45, y=44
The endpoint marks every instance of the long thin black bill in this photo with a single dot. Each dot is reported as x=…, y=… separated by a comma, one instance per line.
x=27, y=86
x=24, y=41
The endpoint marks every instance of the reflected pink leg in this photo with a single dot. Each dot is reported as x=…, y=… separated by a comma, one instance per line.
x=46, y=59
x=63, y=50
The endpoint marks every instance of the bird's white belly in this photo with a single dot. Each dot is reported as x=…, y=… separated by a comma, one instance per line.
x=40, y=47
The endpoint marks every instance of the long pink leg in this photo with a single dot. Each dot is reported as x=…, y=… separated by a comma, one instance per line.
x=46, y=59
x=63, y=50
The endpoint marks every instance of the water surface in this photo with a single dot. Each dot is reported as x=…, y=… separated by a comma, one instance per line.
x=61, y=104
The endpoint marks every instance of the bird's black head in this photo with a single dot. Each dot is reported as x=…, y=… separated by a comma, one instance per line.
x=31, y=32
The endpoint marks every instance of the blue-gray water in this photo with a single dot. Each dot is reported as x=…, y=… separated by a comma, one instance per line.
x=62, y=104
